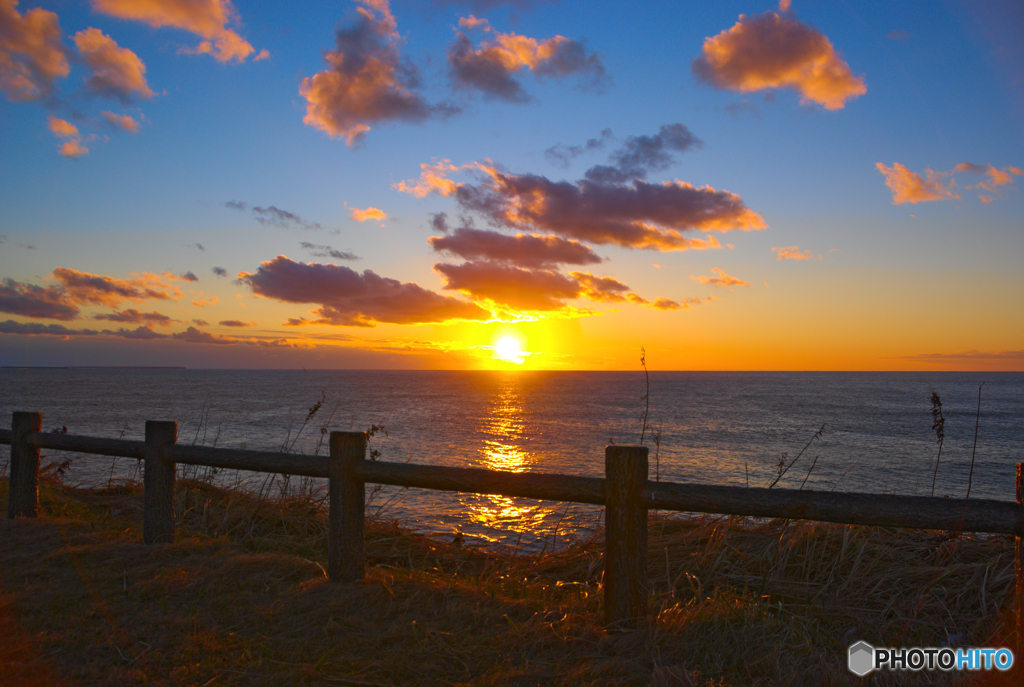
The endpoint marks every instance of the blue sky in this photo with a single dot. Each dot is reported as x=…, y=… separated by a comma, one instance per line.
x=892, y=282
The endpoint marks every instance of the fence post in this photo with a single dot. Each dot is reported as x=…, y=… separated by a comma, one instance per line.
x=1020, y=566
x=625, y=558
x=346, y=558
x=158, y=484
x=23, y=485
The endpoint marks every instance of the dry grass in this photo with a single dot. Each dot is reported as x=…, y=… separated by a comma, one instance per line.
x=242, y=598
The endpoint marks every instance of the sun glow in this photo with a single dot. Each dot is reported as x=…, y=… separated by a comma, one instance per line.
x=508, y=350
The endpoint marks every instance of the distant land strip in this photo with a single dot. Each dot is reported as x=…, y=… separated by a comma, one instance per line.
x=89, y=367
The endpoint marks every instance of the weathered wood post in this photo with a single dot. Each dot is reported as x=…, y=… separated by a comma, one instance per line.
x=1020, y=566
x=158, y=484
x=23, y=486
x=346, y=558
x=625, y=557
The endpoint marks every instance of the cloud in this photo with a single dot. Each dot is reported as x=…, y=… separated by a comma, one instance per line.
x=207, y=19
x=432, y=179
x=188, y=276
x=489, y=69
x=236, y=323
x=141, y=333
x=793, y=253
x=319, y=251
x=203, y=302
x=641, y=154
x=472, y=22
x=722, y=279
x=273, y=216
x=82, y=287
x=193, y=335
x=347, y=297
x=604, y=289
x=525, y=289
x=366, y=81
x=523, y=250
x=996, y=177
x=438, y=222
x=968, y=356
x=72, y=146
x=29, y=300
x=35, y=329
x=219, y=271
x=640, y=215
x=909, y=187
x=32, y=56
x=561, y=155
x=667, y=304
x=198, y=245
x=128, y=124
x=116, y=72
x=133, y=316
x=776, y=50
x=369, y=213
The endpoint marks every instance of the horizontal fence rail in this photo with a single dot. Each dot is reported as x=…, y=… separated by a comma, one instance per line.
x=625, y=492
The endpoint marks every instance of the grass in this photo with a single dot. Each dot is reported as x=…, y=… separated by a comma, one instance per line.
x=241, y=598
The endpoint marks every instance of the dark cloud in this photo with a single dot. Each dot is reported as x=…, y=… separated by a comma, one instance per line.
x=219, y=271
x=236, y=205
x=199, y=246
x=439, y=222
x=561, y=155
x=133, y=316
x=604, y=289
x=639, y=215
x=347, y=297
x=29, y=300
x=193, y=335
x=319, y=251
x=524, y=250
x=188, y=276
x=273, y=216
x=641, y=154
x=201, y=323
x=236, y=323
x=741, y=107
x=490, y=68
x=35, y=328
x=141, y=333
x=366, y=80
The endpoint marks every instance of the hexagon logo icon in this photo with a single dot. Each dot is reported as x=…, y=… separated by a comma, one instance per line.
x=861, y=659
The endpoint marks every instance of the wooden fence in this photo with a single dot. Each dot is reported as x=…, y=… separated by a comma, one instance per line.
x=625, y=492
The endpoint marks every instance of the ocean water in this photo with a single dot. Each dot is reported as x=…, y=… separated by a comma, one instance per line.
x=713, y=428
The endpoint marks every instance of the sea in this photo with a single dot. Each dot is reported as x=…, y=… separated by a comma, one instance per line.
x=829, y=431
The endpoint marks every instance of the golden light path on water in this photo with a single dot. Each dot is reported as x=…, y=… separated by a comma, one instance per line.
x=503, y=429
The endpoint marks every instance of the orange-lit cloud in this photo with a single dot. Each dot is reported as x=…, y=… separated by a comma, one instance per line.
x=364, y=82
x=490, y=67
x=433, y=179
x=637, y=215
x=29, y=300
x=349, y=298
x=776, y=50
x=996, y=177
x=203, y=302
x=604, y=289
x=208, y=19
x=72, y=145
x=83, y=287
x=369, y=213
x=121, y=121
x=523, y=250
x=133, y=316
x=793, y=253
x=909, y=187
x=116, y=72
x=721, y=279
x=515, y=287
x=472, y=22
x=31, y=54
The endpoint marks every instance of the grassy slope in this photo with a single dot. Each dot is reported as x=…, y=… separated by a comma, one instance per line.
x=241, y=598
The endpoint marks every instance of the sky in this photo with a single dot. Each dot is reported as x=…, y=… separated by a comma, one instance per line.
x=519, y=184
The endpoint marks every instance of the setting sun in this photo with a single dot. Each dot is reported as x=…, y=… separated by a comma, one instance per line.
x=507, y=349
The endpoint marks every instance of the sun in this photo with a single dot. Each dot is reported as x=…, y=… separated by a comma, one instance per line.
x=507, y=349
